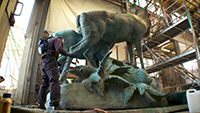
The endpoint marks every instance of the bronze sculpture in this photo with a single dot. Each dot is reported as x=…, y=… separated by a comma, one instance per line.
x=112, y=28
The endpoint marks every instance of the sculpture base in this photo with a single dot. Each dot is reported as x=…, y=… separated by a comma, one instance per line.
x=75, y=96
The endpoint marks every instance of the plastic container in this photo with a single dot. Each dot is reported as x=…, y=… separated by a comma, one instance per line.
x=193, y=100
x=50, y=108
x=5, y=103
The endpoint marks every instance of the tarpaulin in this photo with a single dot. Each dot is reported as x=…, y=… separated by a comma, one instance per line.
x=62, y=13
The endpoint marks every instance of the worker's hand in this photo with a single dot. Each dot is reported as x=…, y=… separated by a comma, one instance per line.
x=71, y=55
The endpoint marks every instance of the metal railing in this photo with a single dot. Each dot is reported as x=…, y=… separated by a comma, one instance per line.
x=167, y=14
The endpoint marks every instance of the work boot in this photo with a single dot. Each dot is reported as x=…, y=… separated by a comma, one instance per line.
x=42, y=106
x=58, y=108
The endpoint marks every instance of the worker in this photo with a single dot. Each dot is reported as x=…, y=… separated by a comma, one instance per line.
x=50, y=72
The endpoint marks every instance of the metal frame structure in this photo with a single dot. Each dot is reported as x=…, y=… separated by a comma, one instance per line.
x=171, y=29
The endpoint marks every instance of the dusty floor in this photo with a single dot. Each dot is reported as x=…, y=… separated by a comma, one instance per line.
x=172, y=109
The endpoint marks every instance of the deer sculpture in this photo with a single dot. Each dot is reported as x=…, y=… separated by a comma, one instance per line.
x=112, y=28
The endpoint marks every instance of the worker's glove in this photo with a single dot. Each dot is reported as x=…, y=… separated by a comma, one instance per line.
x=71, y=55
x=59, y=64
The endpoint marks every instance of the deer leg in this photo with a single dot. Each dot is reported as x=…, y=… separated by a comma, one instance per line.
x=87, y=42
x=88, y=54
x=63, y=75
x=71, y=49
x=130, y=51
x=139, y=51
x=104, y=49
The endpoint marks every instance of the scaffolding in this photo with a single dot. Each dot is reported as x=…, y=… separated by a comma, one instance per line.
x=169, y=19
x=11, y=61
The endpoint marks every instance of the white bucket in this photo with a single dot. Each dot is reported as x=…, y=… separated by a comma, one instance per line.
x=193, y=100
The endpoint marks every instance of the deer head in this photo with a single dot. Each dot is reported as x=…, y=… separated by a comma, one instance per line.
x=142, y=13
x=137, y=9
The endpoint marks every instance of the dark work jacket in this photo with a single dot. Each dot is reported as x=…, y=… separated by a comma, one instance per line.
x=55, y=47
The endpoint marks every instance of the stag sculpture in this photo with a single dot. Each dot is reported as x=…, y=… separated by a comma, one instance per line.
x=112, y=28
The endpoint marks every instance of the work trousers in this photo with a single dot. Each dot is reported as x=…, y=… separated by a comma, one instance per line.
x=50, y=77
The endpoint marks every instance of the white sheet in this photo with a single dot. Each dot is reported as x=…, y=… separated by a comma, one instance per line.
x=62, y=13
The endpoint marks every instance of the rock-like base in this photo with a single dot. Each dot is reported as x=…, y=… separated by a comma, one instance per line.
x=75, y=96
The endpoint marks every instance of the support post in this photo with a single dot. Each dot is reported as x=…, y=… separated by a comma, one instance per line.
x=117, y=52
x=178, y=52
x=194, y=39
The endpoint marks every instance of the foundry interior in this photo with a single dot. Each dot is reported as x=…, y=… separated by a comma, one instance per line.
x=170, y=54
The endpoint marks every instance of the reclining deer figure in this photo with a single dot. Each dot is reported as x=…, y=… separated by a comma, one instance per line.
x=112, y=28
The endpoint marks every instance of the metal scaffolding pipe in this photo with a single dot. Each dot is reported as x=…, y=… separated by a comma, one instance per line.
x=151, y=52
x=194, y=39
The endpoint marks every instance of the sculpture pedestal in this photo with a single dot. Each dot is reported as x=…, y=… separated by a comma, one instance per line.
x=75, y=96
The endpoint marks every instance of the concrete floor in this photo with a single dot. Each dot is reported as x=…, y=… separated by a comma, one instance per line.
x=169, y=109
